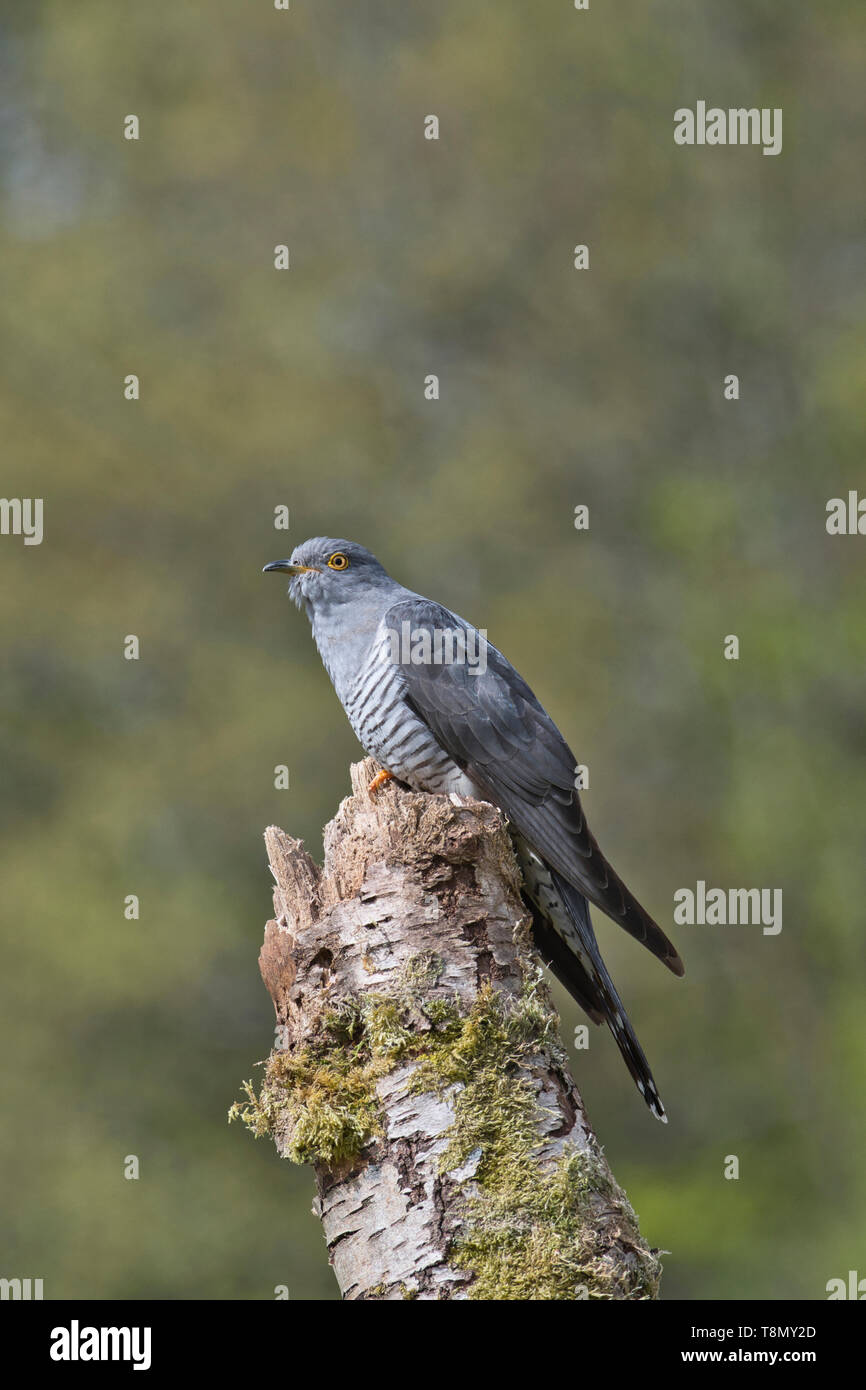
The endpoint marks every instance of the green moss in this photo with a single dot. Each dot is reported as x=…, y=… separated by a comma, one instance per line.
x=319, y=1111
x=422, y=971
x=444, y=1014
x=524, y=1233
x=531, y=1238
x=321, y=1100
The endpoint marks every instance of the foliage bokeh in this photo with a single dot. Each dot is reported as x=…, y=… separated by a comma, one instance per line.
x=305, y=388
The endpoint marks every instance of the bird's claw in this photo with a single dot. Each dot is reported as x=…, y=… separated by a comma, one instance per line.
x=379, y=781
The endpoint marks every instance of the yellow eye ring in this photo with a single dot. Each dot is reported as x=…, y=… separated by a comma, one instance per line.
x=338, y=561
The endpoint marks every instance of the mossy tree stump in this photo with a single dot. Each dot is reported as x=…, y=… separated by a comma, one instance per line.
x=418, y=1066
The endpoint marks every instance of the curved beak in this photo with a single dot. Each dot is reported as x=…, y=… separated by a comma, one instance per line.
x=289, y=568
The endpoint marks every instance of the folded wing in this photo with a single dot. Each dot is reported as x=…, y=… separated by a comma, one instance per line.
x=491, y=724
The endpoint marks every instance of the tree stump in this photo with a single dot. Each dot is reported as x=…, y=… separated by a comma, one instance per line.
x=418, y=1066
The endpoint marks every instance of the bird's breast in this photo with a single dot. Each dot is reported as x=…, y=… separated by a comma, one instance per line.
x=390, y=731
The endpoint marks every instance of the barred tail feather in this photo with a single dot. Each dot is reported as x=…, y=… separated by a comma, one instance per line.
x=606, y=999
x=565, y=938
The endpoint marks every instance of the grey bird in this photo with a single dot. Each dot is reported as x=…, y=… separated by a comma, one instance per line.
x=444, y=712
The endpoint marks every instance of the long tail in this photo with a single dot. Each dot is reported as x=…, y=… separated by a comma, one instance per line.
x=565, y=937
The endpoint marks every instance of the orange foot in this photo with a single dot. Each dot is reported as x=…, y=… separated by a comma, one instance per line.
x=379, y=781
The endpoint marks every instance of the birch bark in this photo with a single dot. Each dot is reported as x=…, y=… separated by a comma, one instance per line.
x=418, y=1066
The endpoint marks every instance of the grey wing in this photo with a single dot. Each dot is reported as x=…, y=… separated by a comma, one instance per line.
x=494, y=728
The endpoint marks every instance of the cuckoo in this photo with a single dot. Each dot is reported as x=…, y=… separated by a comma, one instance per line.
x=443, y=711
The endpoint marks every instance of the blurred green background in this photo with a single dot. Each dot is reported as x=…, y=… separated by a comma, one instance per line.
x=305, y=388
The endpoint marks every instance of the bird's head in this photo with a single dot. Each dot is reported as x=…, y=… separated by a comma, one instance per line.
x=325, y=572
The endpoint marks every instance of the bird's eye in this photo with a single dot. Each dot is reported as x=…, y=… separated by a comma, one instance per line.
x=338, y=561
